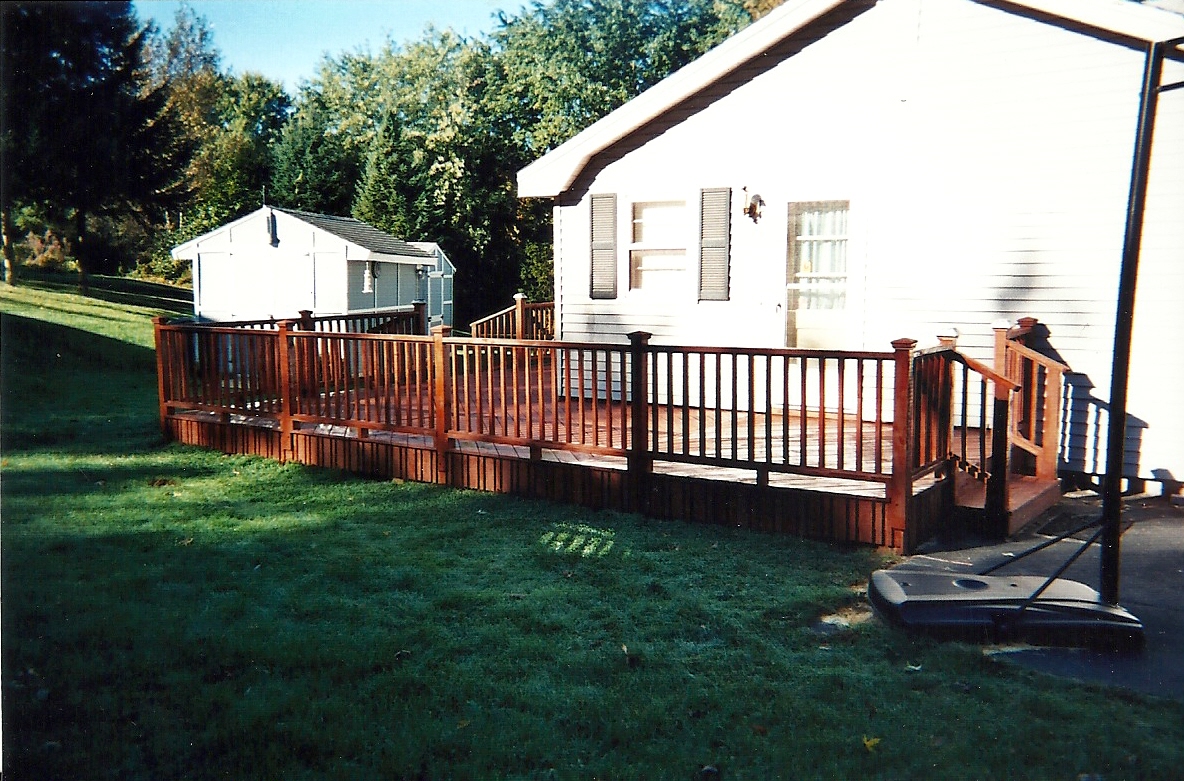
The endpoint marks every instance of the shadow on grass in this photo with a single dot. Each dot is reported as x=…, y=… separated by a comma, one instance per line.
x=32, y=345
x=116, y=290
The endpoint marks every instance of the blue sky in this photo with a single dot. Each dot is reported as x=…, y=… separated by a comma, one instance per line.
x=285, y=40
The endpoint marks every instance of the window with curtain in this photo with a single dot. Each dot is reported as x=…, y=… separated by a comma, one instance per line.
x=818, y=247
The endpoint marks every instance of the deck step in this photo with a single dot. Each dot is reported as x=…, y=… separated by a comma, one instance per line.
x=1027, y=498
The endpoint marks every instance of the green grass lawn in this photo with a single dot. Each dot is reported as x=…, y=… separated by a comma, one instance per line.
x=174, y=613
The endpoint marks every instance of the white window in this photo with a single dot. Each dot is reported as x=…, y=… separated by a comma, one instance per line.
x=818, y=254
x=658, y=254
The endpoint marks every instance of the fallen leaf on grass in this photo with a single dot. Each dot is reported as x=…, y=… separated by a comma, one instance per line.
x=185, y=542
x=870, y=743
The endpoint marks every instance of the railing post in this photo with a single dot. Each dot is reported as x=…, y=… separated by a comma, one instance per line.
x=996, y=500
x=640, y=460
x=520, y=316
x=284, y=363
x=163, y=364
x=306, y=320
x=1050, y=443
x=900, y=487
x=420, y=309
x=441, y=408
x=1000, y=361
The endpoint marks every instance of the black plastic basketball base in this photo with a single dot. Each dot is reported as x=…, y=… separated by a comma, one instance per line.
x=987, y=608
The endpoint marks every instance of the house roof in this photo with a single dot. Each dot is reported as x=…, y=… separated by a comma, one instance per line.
x=554, y=172
x=357, y=232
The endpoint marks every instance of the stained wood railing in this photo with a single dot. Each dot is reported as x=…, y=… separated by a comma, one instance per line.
x=408, y=320
x=841, y=415
x=1035, y=412
x=522, y=320
x=960, y=421
x=792, y=411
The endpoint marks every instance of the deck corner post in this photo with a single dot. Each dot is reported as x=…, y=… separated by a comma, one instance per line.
x=900, y=487
x=306, y=320
x=163, y=364
x=640, y=460
x=441, y=411
x=519, y=315
x=420, y=310
x=996, y=499
x=283, y=361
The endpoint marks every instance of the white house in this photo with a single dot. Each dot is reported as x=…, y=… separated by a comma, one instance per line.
x=842, y=173
x=275, y=262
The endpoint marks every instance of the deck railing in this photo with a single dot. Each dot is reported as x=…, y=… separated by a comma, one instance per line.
x=807, y=412
x=883, y=420
x=1035, y=412
x=960, y=422
x=772, y=411
x=410, y=319
x=522, y=320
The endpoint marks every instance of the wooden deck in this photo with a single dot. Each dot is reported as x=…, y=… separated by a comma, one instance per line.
x=840, y=445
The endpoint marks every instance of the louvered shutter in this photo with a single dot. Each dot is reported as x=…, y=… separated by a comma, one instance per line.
x=715, y=243
x=604, y=246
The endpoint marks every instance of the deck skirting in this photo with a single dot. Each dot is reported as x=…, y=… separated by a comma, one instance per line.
x=817, y=514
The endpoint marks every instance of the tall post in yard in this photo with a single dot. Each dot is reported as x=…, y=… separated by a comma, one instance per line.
x=641, y=462
x=163, y=364
x=900, y=487
x=287, y=396
x=441, y=409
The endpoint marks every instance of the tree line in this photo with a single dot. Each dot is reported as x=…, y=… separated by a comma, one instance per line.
x=120, y=141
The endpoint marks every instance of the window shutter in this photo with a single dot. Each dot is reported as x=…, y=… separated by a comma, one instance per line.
x=604, y=246
x=715, y=240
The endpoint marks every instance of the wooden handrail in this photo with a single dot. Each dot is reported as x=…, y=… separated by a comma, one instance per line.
x=1037, y=403
x=522, y=320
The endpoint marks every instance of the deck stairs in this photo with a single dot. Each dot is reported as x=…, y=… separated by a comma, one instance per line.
x=1030, y=384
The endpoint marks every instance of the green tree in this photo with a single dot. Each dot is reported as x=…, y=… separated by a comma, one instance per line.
x=321, y=153
x=87, y=133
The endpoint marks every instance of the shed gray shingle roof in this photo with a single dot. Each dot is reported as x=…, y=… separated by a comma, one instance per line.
x=358, y=232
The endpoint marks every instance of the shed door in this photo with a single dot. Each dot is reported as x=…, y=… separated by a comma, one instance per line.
x=816, y=274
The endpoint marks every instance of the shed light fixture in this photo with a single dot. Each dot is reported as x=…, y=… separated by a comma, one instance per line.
x=368, y=276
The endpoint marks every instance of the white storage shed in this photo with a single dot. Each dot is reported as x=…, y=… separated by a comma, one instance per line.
x=275, y=262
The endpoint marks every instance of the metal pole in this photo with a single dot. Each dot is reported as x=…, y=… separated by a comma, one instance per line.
x=1123, y=323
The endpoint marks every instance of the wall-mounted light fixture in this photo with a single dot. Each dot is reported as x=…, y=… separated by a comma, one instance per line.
x=368, y=276
x=752, y=205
